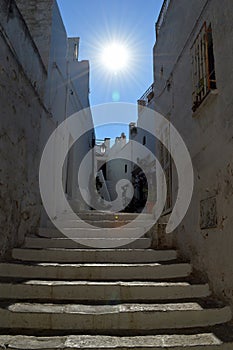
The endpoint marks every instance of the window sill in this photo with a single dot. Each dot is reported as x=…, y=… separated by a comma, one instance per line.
x=207, y=100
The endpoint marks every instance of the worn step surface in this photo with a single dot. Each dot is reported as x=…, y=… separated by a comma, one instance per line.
x=41, y=242
x=94, y=232
x=104, y=318
x=102, y=291
x=199, y=341
x=93, y=255
x=100, y=223
x=100, y=216
x=97, y=235
x=105, y=272
x=55, y=286
x=102, y=234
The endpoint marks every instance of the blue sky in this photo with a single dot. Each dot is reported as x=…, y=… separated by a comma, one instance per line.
x=98, y=23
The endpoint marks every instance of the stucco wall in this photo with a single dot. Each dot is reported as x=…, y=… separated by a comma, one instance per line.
x=207, y=133
x=22, y=78
x=35, y=96
x=67, y=91
x=38, y=17
x=78, y=100
x=146, y=122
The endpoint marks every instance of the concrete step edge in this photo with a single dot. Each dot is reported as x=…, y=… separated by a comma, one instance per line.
x=55, y=233
x=93, y=233
x=93, y=255
x=104, y=221
x=62, y=242
x=198, y=341
x=101, y=291
x=105, y=317
x=94, y=271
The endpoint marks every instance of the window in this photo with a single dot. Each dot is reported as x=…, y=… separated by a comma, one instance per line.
x=126, y=168
x=144, y=140
x=203, y=65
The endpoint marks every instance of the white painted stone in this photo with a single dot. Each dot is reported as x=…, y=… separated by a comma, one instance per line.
x=93, y=255
x=107, y=272
x=102, y=291
x=36, y=242
x=107, y=317
x=200, y=341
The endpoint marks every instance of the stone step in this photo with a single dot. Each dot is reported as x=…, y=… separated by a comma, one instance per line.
x=77, y=233
x=93, y=255
x=99, y=216
x=47, y=232
x=40, y=242
x=97, y=238
x=102, y=291
x=104, y=318
x=104, y=272
x=99, y=223
x=198, y=341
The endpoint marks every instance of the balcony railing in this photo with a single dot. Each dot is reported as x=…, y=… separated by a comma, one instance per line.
x=147, y=96
x=162, y=16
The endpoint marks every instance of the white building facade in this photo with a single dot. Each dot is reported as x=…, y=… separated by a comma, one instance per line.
x=193, y=89
x=42, y=83
x=67, y=92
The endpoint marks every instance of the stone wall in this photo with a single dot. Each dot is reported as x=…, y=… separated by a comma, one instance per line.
x=39, y=89
x=38, y=17
x=205, y=235
x=22, y=79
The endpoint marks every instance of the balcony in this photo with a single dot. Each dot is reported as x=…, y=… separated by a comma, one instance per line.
x=162, y=16
x=146, y=97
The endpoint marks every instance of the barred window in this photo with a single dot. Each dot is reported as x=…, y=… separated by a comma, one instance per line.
x=203, y=65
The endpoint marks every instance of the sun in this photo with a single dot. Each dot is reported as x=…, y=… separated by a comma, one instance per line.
x=115, y=57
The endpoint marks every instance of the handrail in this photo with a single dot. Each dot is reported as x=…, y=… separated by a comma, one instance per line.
x=147, y=96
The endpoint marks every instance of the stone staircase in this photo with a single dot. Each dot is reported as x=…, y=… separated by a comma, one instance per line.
x=57, y=293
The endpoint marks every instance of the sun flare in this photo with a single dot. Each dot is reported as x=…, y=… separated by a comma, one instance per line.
x=115, y=57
